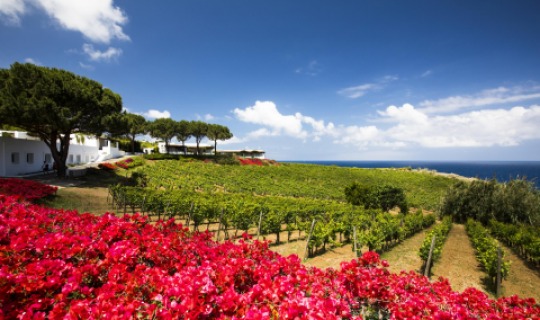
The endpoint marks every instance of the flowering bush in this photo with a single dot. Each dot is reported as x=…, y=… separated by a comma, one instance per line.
x=59, y=264
x=27, y=189
x=122, y=164
x=250, y=162
x=130, y=163
x=107, y=166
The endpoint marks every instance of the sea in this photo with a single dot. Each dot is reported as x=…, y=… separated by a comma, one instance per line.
x=503, y=171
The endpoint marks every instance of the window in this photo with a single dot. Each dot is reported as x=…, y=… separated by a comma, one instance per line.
x=15, y=157
x=78, y=159
x=70, y=158
x=48, y=158
x=29, y=158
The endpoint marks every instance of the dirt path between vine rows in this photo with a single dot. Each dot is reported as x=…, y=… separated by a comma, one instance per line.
x=458, y=262
x=404, y=257
x=522, y=280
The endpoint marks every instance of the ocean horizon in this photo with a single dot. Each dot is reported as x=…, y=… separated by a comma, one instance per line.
x=503, y=171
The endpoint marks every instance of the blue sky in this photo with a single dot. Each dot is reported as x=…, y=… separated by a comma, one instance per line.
x=308, y=80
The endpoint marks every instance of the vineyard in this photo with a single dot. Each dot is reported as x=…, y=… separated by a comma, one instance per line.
x=292, y=180
x=59, y=264
x=299, y=198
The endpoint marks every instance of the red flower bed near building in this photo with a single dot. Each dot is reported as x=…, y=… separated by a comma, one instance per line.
x=28, y=189
x=250, y=162
x=58, y=264
x=107, y=166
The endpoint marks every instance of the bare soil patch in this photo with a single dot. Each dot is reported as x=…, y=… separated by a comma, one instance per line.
x=522, y=280
x=458, y=262
x=404, y=257
x=331, y=258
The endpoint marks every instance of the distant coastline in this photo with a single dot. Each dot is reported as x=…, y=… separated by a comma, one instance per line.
x=503, y=171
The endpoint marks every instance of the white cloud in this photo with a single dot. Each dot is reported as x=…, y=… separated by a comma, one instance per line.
x=266, y=113
x=501, y=95
x=483, y=128
x=262, y=132
x=97, y=55
x=318, y=126
x=406, y=115
x=233, y=140
x=86, y=66
x=98, y=20
x=363, y=89
x=206, y=117
x=402, y=128
x=426, y=73
x=156, y=114
x=359, y=136
x=11, y=10
x=33, y=61
x=358, y=91
x=312, y=69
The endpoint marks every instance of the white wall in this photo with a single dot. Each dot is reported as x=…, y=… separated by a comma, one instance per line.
x=19, y=150
x=24, y=155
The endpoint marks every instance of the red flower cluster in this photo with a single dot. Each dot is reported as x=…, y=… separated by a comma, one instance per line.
x=59, y=264
x=124, y=164
x=107, y=166
x=27, y=189
x=250, y=162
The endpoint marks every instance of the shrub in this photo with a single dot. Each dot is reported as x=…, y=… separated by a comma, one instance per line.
x=28, y=189
x=107, y=166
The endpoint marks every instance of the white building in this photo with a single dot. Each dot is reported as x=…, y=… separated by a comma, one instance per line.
x=191, y=148
x=244, y=153
x=188, y=148
x=21, y=154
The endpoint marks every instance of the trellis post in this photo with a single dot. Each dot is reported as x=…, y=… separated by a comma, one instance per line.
x=428, y=263
x=499, y=266
x=306, y=253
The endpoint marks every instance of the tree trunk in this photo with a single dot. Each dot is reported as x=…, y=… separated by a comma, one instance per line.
x=59, y=156
x=133, y=143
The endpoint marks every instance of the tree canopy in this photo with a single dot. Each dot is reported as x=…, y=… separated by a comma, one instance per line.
x=183, y=132
x=54, y=103
x=217, y=132
x=166, y=129
x=385, y=197
x=135, y=124
x=516, y=201
x=198, y=130
x=163, y=128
